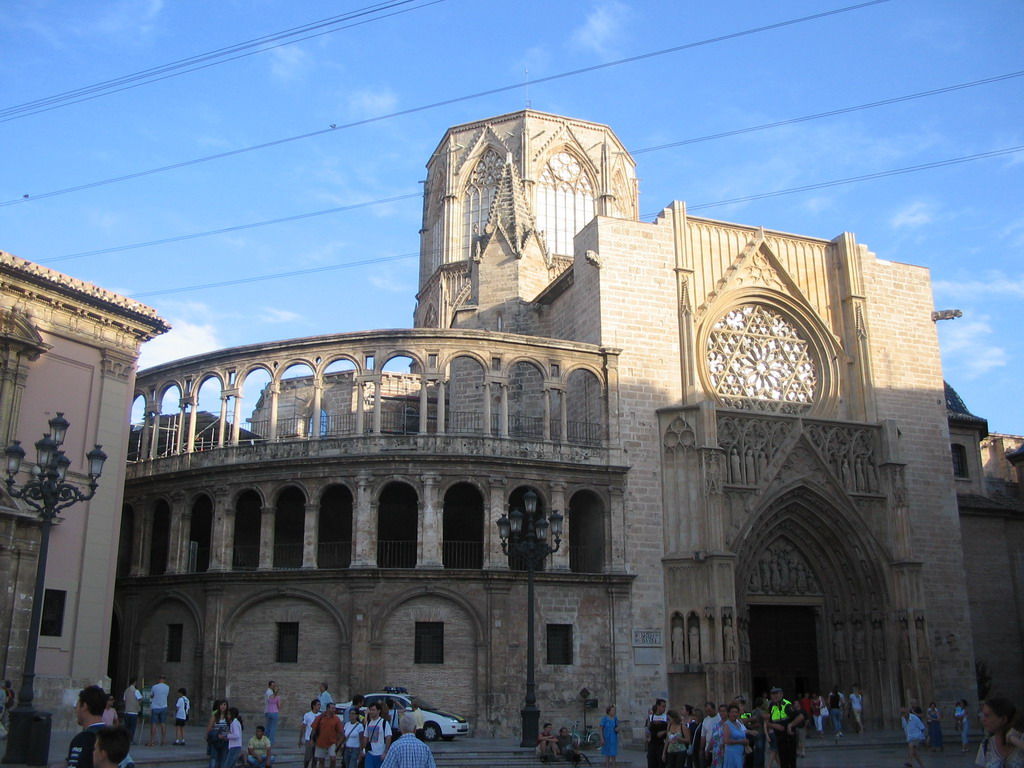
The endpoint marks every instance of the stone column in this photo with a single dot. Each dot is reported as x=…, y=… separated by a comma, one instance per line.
x=180, y=426
x=487, y=408
x=191, y=445
x=560, y=559
x=357, y=385
x=376, y=404
x=309, y=535
x=563, y=416
x=442, y=408
x=547, y=414
x=318, y=396
x=154, y=443
x=236, y=418
x=266, y=538
x=223, y=534
x=141, y=534
x=364, y=529
x=494, y=557
x=222, y=423
x=503, y=411
x=428, y=554
x=275, y=393
x=615, y=532
x=424, y=405
x=176, y=544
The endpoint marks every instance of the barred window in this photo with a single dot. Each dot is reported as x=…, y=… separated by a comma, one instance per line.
x=175, y=633
x=287, y=642
x=52, y=620
x=429, y=642
x=959, y=460
x=560, y=644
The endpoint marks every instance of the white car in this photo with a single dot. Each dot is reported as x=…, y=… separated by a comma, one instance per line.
x=437, y=724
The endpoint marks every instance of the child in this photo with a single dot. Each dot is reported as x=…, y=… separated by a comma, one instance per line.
x=181, y=709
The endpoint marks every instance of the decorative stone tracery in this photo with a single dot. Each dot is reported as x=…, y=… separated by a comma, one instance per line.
x=782, y=570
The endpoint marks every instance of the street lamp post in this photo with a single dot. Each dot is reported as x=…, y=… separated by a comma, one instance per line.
x=47, y=493
x=524, y=535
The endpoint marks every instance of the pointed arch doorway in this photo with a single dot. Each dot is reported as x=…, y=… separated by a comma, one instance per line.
x=784, y=648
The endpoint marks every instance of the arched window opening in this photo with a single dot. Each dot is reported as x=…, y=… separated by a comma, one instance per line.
x=126, y=541
x=289, y=528
x=464, y=397
x=476, y=203
x=400, y=396
x=137, y=433
x=160, y=542
x=586, y=533
x=295, y=402
x=516, y=501
x=257, y=396
x=339, y=398
x=334, y=532
x=463, y=527
x=565, y=202
x=584, y=408
x=526, y=395
x=208, y=425
x=169, y=422
x=397, y=517
x=246, y=552
x=199, y=536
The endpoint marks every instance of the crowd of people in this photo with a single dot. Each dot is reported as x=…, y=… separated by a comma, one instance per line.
x=728, y=735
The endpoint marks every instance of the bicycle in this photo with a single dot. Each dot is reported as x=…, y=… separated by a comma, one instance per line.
x=589, y=737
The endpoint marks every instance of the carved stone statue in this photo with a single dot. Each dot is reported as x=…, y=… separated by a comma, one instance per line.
x=729, y=642
x=839, y=643
x=694, y=636
x=858, y=643
x=678, y=642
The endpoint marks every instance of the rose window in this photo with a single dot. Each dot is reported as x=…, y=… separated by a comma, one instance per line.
x=757, y=360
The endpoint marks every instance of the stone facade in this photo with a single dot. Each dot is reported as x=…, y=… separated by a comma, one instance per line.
x=745, y=427
x=65, y=345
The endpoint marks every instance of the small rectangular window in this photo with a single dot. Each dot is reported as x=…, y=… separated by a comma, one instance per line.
x=52, y=620
x=174, y=635
x=287, y=642
x=429, y=642
x=495, y=363
x=560, y=644
x=959, y=460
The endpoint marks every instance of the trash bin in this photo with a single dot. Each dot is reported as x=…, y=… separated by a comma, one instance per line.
x=39, y=739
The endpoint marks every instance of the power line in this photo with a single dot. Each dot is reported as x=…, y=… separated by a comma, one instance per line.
x=191, y=64
x=830, y=113
x=236, y=228
x=765, y=126
x=446, y=102
x=276, y=276
x=700, y=206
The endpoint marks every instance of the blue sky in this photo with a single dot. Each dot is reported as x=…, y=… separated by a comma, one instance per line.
x=964, y=221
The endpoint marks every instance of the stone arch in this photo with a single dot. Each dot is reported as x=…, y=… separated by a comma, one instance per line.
x=466, y=373
x=526, y=398
x=397, y=524
x=289, y=525
x=340, y=393
x=566, y=191
x=254, y=383
x=253, y=630
x=334, y=527
x=138, y=435
x=200, y=533
x=209, y=389
x=584, y=406
x=171, y=635
x=463, y=520
x=248, y=516
x=516, y=501
x=477, y=185
x=454, y=679
x=400, y=392
x=808, y=560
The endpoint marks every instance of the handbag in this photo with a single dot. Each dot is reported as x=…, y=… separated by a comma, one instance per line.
x=824, y=711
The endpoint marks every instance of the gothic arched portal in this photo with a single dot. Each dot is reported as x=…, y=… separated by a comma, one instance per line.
x=813, y=599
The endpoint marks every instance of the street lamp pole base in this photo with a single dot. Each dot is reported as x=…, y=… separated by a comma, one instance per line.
x=531, y=726
x=19, y=735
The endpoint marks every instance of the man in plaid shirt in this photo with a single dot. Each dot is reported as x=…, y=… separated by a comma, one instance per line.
x=408, y=751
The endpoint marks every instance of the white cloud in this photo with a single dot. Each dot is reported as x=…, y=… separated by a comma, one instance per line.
x=968, y=350
x=993, y=284
x=601, y=27
x=288, y=62
x=387, y=282
x=183, y=340
x=913, y=215
x=272, y=315
x=372, y=102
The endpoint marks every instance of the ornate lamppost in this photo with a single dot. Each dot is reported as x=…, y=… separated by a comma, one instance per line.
x=524, y=535
x=47, y=493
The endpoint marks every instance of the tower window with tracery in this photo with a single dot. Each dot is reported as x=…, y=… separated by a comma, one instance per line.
x=759, y=360
x=476, y=203
x=565, y=202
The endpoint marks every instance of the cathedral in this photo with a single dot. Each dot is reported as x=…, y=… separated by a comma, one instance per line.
x=746, y=431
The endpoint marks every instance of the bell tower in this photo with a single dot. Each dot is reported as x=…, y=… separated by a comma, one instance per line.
x=503, y=199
